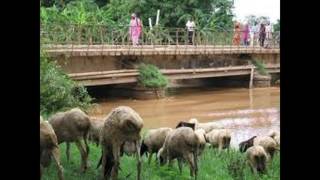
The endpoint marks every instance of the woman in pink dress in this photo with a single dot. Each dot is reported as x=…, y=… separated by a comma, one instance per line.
x=135, y=29
x=245, y=34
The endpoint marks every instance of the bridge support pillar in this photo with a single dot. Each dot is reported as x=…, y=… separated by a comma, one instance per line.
x=261, y=80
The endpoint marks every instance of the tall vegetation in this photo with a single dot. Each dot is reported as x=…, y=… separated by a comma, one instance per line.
x=213, y=14
x=260, y=67
x=57, y=91
x=151, y=77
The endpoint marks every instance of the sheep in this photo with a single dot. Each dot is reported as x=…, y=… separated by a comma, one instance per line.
x=202, y=139
x=269, y=144
x=95, y=129
x=205, y=126
x=185, y=124
x=219, y=138
x=120, y=125
x=181, y=144
x=153, y=141
x=276, y=136
x=195, y=122
x=72, y=126
x=49, y=147
x=257, y=158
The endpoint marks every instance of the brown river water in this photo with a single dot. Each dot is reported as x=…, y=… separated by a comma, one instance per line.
x=246, y=112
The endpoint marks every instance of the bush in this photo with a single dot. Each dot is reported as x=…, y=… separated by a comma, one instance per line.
x=57, y=91
x=260, y=67
x=151, y=77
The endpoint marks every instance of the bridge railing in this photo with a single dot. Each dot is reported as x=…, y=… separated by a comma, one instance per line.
x=101, y=34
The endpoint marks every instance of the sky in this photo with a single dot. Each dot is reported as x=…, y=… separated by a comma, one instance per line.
x=270, y=8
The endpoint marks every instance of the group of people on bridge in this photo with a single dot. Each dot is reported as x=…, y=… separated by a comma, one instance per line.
x=244, y=34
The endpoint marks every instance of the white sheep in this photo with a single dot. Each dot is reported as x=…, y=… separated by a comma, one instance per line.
x=276, y=136
x=95, y=130
x=219, y=138
x=202, y=139
x=153, y=141
x=205, y=126
x=257, y=158
x=266, y=142
x=181, y=144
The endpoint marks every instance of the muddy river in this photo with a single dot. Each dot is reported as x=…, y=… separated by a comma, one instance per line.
x=246, y=112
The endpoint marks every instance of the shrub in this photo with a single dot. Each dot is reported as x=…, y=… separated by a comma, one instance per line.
x=151, y=77
x=57, y=91
x=260, y=67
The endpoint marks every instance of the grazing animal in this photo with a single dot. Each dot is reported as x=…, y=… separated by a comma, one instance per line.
x=120, y=125
x=257, y=158
x=95, y=129
x=153, y=141
x=276, y=136
x=202, y=139
x=49, y=148
x=269, y=144
x=181, y=144
x=219, y=138
x=73, y=126
x=185, y=124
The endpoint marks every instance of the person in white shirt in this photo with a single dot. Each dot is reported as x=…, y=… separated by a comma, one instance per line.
x=191, y=28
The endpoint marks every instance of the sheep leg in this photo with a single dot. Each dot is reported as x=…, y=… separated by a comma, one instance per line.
x=195, y=159
x=41, y=169
x=149, y=158
x=68, y=151
x=180, y=165
x=138, y=160
x=83, y=156
x=104, y=163
x=56, y=157
x=116, y=155
x=85, y=137
x=190, y=159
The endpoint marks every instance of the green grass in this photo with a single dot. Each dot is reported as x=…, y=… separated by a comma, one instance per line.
x=212, y=166
x=261, y=68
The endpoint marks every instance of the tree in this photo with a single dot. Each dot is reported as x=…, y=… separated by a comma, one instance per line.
x=276, y=26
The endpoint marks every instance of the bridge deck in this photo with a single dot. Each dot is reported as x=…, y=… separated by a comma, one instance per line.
x=130, y=75
x=118, y=50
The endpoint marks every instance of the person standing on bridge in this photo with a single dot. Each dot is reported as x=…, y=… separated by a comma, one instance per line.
x=237, y=34
x=245, y=34
x=135, y=29
x=190, y=27
x=262, y=34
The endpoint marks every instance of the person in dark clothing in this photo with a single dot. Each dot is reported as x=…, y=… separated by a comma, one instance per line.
x=262, y=34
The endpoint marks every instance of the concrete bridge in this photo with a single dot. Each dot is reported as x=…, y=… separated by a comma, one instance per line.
x=130, y=76
x=110, y=59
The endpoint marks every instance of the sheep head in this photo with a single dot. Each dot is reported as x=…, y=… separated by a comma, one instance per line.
x=130, y=123
x=243, y=146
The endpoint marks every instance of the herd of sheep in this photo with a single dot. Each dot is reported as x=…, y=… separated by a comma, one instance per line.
x=119, y=132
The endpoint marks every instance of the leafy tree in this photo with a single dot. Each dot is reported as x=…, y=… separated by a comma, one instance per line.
x=57, y=91
x=276, y=26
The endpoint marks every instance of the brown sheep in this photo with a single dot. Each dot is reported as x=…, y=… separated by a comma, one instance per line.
x=153, y=141
x=120, y=125
x=49, y=147
x=181, y=144
x=257, y=158
x=269, y=144
x=73, y=126
x=219, y=138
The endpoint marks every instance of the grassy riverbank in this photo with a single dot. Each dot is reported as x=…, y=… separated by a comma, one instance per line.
x=226, y=166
